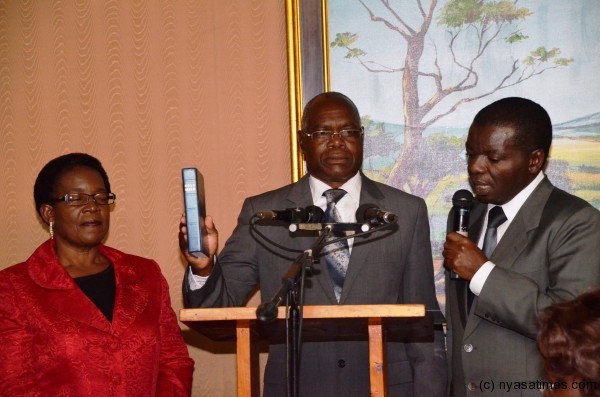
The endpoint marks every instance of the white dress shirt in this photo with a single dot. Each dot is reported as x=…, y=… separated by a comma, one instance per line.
x=510, y=210
x=346, y=206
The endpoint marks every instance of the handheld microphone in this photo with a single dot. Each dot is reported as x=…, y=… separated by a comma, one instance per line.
x=462, y=202
x=310, y=214
x=370, y=213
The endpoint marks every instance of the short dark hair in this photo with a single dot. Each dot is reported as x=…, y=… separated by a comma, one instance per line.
x=569, y=339
x=530, y=121
x=327, y=95
x=43, y=189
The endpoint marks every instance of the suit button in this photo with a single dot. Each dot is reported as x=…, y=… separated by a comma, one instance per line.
x=468, y=347
x=341, y=363
x=472, y=386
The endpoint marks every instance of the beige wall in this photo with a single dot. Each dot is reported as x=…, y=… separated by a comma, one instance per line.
x=148, y=87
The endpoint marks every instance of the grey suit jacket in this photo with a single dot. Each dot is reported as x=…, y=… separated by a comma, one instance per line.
x=549, y=253
x=388, y=267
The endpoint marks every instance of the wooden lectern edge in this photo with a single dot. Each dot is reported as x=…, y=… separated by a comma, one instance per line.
x=247, y=373
x=324, y=311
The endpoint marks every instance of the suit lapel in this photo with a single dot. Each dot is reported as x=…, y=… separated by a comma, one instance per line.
x=74, y=304
x=60, y=291
x=515, y=239
x=512, y=243
x=527, y=219
x=361, y=253
x=131, y=297
x=64, y=296
x=301, y=196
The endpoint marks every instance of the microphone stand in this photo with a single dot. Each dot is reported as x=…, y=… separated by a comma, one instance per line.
x=267, y=312
x=292, y=287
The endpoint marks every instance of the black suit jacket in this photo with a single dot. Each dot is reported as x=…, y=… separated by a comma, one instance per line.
x=549, y=253
x=389, y=267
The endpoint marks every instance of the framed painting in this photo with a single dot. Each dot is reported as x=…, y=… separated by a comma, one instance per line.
x=419, y=70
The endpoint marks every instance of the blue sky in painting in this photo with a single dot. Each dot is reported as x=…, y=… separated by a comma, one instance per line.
x=567, y=92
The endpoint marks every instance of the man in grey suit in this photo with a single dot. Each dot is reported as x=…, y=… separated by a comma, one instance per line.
x=390, y=266
x=530, y=245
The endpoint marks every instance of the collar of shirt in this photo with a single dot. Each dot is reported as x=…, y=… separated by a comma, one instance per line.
x=512, y=207
x=347, y=205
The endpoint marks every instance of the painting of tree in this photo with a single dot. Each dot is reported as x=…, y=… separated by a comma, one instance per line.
x=419, y=70
x=484, y=22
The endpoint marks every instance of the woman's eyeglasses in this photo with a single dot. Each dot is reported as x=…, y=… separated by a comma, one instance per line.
x=76, y=199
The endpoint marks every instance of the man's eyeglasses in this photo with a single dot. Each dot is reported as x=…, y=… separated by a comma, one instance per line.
x=83, y=198
x=324, y=135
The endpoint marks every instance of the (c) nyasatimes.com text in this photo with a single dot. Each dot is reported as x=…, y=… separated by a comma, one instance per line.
x=490, y=385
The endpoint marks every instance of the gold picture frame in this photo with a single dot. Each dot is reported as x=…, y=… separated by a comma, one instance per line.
x=308, y=65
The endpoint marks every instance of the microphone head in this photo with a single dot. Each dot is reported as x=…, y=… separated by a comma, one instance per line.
x=462, y=198
x=310, y=214
x=296, y=215
x=363, y=212
x=388, y=217
x=267, y=312
x=266, y=215
x=314, y=214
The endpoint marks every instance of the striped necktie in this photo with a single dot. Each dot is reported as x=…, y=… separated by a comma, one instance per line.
x=337, y=255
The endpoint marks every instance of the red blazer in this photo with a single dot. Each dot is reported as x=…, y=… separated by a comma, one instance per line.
x=55, y=342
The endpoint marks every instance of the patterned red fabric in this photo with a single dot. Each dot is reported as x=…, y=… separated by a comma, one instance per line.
x=55, y=342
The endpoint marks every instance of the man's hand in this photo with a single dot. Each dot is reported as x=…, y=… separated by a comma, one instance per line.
x=462, y=256
x=210, y=242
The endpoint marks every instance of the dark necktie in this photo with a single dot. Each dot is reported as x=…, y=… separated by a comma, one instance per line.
x=496, y=217
x=337, y=255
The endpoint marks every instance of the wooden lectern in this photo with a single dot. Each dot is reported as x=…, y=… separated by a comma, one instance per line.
x=356, y=321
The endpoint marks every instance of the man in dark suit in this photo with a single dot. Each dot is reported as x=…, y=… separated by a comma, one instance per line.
x=391, y=266
x=530, y=245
